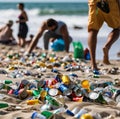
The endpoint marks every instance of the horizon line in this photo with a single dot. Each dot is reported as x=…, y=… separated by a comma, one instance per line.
x=44, y=1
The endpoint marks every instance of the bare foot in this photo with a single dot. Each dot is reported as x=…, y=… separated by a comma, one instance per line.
x=105, y=57
x=94, y=67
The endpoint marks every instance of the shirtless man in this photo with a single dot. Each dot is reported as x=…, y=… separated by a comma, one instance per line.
x=6, y=33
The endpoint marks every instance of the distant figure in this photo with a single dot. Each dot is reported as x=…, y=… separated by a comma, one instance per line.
x=77, y=27
x=23, y=28
x=29, y=40
x=55, y=29
x=118, y=54
x=6, y=34
x=99, y=12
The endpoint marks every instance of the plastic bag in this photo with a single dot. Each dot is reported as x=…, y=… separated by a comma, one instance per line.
x=78, y=50
x=58, y=45
x=87, y=54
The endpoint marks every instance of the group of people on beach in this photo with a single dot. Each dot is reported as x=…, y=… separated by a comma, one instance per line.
x=6, y=32
x=100, y=11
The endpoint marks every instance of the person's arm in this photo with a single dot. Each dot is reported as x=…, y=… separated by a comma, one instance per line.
x=11, y=35
x=2, y=28
x=36, y=37
x=65, y=35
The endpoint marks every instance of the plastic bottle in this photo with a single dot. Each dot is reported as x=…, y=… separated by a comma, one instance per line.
x=59, y=110
x=75, y=110
x=80, y=113
x=109, y=100
x=7, y=81
x=36, y=115
x=52, y=101
x=3, y=105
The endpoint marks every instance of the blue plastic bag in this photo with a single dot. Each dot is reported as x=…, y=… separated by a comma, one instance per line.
x=58, y=45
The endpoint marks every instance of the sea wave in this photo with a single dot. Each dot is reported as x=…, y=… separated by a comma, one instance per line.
x=49, y=11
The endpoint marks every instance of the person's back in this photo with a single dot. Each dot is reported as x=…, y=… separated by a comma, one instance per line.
x=58, y=30
x=5, y=33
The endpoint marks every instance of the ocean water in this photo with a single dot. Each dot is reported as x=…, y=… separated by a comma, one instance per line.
x=73, y=14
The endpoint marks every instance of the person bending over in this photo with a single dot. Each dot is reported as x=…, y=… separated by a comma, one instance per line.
x=53, y=30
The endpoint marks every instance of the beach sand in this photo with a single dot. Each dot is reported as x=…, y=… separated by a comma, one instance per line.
x=18, y=109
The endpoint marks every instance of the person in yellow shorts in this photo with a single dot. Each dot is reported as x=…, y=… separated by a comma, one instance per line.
x=101, y=11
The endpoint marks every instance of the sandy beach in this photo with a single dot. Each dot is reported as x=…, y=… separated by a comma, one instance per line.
x=44, y=65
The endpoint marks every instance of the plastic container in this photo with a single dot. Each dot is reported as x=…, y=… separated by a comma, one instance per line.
x=78, y=50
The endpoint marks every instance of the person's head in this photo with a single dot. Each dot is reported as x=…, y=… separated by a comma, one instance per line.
x=9, y=23
x=20, y=6
x=52, y=24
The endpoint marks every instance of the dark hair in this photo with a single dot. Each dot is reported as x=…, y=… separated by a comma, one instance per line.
x=51, y=22
x=22, y=5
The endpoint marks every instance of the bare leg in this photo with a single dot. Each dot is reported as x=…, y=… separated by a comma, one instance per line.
x=113, y=36
x=22, y=42
x=19, y=41
x=92, y=41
